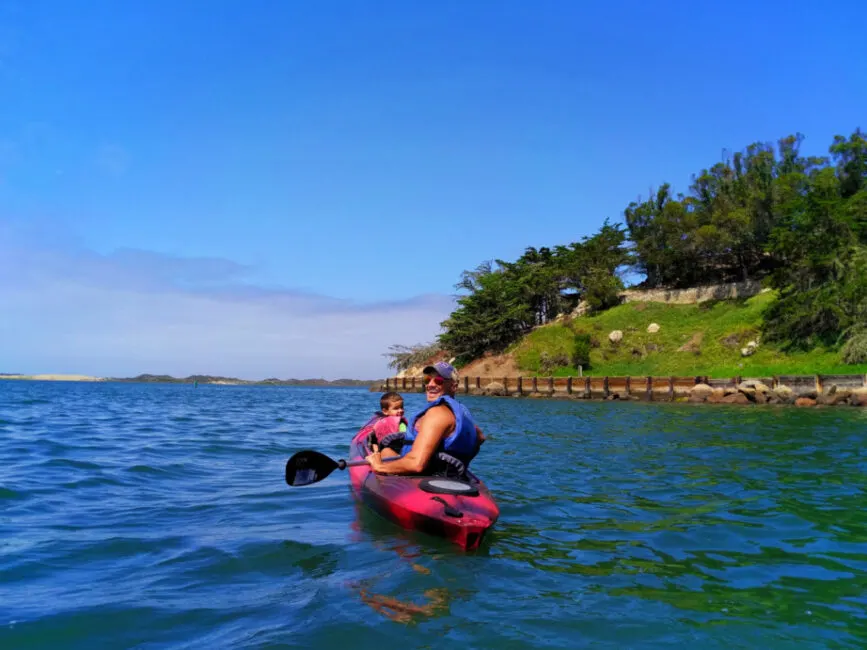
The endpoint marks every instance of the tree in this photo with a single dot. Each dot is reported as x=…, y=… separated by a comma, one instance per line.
x=591, y=268
x=820, y=237
x=490, y=317
x=403, y=357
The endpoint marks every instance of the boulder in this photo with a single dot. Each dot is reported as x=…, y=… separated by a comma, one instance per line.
x=754, y=384
x=834, y=396
x=805, y=401
x=735, y=398
x=755, y=391
x=653, y=328
x=702, y=391
x=784, y=394
x=615, y=336
x=495, y=388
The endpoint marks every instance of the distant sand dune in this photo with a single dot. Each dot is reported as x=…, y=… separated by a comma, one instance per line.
x=54, y=377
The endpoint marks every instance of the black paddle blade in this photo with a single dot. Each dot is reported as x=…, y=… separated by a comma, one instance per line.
x=308, y=467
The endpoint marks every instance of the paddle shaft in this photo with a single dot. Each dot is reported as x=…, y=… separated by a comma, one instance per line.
x=342, y=464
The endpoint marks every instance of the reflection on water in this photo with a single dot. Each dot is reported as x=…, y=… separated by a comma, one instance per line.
x=385, y=537
x=402, y=611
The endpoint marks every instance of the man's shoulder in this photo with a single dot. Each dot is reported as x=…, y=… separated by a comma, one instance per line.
x=442, y=407
x=442, y=410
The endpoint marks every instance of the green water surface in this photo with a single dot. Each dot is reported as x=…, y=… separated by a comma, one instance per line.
x=156, y=516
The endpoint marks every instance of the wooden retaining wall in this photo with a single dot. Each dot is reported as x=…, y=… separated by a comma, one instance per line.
x=648, y=388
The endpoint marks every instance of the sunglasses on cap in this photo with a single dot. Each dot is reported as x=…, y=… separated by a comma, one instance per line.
x=439, y=381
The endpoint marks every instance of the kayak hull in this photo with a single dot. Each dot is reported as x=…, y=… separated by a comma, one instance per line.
x=462, y=519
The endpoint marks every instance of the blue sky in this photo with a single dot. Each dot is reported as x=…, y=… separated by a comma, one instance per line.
x=286, y=188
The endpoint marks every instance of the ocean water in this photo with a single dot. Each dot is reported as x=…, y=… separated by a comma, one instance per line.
x=156, y=516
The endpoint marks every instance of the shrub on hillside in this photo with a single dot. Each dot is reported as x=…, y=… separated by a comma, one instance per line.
x=855, y=349
x=581, y=350
x=549, y=362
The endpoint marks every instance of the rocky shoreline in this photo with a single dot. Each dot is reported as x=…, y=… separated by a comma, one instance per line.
x=745, y=393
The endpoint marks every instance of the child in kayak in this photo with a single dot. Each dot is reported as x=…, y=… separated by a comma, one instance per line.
x=387, y=420
x=391, y=405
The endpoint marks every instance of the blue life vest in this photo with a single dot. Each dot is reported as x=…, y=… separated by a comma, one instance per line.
x=462, y=443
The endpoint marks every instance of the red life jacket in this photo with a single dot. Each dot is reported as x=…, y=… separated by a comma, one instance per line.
x=381, y=425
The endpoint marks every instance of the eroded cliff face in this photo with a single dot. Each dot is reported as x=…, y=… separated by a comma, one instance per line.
x=690, y=296
x=693, y=295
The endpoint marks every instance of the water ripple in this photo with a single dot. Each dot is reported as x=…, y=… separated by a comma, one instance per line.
x=151, y=515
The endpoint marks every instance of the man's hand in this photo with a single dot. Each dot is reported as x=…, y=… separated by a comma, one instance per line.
x=375, y=459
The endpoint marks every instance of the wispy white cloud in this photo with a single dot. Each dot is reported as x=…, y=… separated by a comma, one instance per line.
x=69, y=309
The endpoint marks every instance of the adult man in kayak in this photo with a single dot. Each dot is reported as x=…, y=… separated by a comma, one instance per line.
x=444, y=425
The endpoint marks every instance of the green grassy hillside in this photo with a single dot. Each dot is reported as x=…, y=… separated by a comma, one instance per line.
x=704, y=339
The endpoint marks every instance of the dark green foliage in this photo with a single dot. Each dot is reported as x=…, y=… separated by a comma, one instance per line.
x=495, y=313
x=589, y=268
x=581, y=351
x=821, y=243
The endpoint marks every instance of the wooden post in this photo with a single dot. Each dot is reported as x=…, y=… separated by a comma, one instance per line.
x=605, y=385
x=551, y=385
x=671, y=388
x=819, y=384
x=649, y=388
x=478, y=382
x=628, y=385
x=535, y=384
x=466, y=385
x=569, y=385
x=506, y=386
x=587, y=392
x=520, y=385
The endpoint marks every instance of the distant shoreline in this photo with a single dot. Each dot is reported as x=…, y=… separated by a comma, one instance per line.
x=194, y=379
x=50, y=377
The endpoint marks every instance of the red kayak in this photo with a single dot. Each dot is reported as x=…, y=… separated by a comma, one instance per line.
x=462, y=511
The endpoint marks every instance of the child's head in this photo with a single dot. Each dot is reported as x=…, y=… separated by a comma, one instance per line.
x=391, y=404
